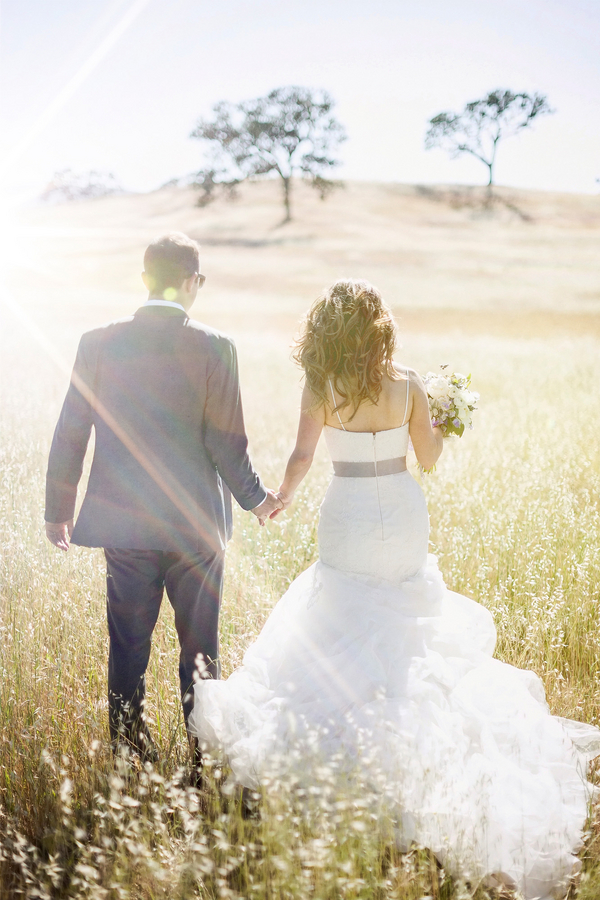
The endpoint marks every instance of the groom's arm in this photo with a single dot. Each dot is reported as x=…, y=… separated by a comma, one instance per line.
x=70, y=440
x=225, y=435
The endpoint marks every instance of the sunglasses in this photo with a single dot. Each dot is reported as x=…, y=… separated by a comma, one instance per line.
x=201, y=278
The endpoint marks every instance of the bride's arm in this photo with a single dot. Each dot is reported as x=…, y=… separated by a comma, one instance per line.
x=427, y=441
x=310, y=427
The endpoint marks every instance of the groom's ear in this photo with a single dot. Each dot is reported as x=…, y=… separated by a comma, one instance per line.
x=188, y=284
x=147, y=281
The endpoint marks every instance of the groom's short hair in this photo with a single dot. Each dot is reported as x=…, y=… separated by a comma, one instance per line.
x=169, y=260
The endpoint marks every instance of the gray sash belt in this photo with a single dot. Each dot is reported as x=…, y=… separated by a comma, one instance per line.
x=369, y=469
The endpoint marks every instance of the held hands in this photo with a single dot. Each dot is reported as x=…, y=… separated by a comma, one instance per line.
x=285, y=500
x=269, y=508
x=59, y=534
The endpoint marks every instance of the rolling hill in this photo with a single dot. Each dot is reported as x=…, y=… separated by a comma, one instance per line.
x=529, y=266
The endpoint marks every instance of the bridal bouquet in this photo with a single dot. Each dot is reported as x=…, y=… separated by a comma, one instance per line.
x=451, y=402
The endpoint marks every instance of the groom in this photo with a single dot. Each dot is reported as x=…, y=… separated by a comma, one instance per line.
x=163, y=396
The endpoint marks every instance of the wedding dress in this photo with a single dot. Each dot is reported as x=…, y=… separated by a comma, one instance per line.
x=369, y=651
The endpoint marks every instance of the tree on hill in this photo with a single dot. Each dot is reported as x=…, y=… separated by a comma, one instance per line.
x=67, y=186
x=291, y=131
x=482, y=124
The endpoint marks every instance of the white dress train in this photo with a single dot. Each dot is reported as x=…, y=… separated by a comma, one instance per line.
x=371, y=652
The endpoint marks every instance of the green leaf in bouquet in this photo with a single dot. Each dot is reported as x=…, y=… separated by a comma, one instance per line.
x=450, y=428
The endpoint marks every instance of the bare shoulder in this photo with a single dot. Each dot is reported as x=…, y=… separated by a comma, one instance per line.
x=404, y=373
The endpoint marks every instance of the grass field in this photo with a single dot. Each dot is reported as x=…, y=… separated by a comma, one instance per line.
x=511, y=296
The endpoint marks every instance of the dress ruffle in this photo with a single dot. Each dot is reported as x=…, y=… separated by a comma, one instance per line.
x=403, y=679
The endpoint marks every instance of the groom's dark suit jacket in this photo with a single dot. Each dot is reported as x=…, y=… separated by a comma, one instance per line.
x=162, y=394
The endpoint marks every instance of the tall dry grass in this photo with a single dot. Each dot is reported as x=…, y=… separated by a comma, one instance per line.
x=513, y=506
x=515, y=522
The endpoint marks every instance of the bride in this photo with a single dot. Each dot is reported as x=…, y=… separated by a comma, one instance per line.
x=370, y=659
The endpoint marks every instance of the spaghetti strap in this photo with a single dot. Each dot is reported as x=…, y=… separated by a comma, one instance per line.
x=335, y=404
x=407, y=396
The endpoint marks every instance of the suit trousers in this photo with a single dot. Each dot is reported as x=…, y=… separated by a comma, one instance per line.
x=136, y=580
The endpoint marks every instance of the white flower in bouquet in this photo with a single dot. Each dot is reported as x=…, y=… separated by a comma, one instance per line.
x=451, y=402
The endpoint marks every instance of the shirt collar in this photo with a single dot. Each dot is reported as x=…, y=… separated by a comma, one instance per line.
x=171, y=303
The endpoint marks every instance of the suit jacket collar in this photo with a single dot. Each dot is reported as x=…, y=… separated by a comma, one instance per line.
x=164, y=311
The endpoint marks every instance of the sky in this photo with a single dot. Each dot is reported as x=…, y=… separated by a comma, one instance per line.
x=118, y=85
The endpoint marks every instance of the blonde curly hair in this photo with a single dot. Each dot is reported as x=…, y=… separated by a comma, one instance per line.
x=348, y=335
